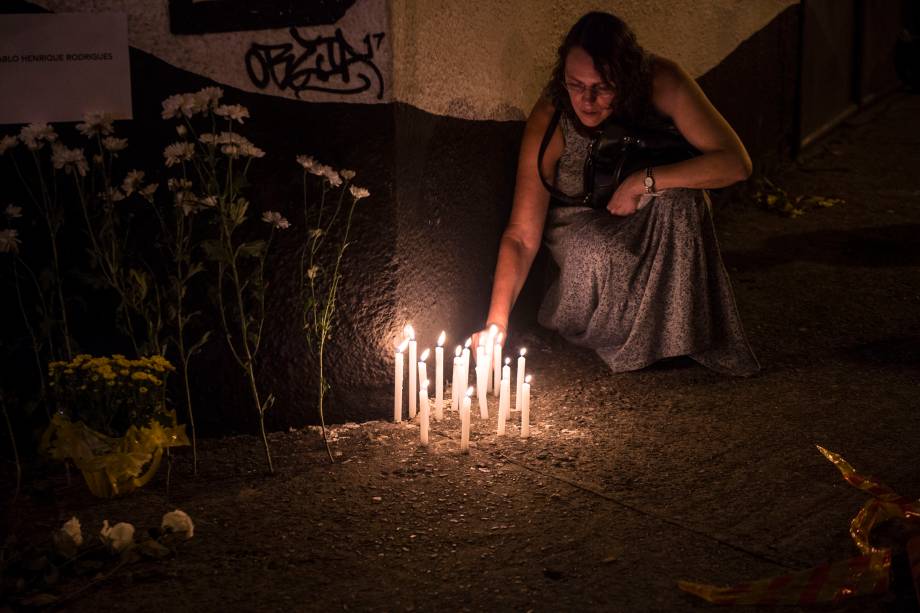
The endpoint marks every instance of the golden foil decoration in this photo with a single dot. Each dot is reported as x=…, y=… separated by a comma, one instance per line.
x=834, y=582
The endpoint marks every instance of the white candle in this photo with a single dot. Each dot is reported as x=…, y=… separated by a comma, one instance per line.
x=413, y=374
x=455, y=389
x=398, y=387
x=506, y=376
x=503, y=404
x=482, y=375
x=423, y=366
x=520, y=380
x=465, y=422
x=490, y=346
x=439, y=378
x=525, y=407
x=425, y=414
x=465, y=366
x=497, y=362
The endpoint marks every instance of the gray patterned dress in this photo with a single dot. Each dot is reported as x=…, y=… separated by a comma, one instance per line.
x=644, y=287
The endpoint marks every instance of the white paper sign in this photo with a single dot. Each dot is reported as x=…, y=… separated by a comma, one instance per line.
x=56, y=67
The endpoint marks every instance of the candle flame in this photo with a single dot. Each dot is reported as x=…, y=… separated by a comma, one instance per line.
x=528, y=379
x=400, y=347
x=507, y=361
x=409, y=332
x=468, y=342
x=424, y=355
x=469, y=392
x=458, y=351
x=442, y=338
x=523, y=351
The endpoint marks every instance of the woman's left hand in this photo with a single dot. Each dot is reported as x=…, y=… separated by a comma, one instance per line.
x=625, y=200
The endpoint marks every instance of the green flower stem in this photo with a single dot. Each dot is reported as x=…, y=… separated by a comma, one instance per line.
x=36, y=345
x=9, y=429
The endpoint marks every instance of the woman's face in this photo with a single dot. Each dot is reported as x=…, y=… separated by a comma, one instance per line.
x=592, y=97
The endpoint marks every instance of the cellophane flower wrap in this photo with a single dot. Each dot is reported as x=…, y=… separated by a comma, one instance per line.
x=111, y=419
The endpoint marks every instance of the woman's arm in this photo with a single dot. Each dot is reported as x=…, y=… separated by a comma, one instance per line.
x=724, y=160
x=522, y=236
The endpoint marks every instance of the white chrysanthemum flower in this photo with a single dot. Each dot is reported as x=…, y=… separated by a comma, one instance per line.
x=115, y=194
x=209, y=201
x=132, y=181
x=119, y=537
x=233, y=112
x=181, y=130
x=251, y=151
x=209, y=97
x=312, y=272
x=348, y=175
x=178, y=521
x=68, y=538
x=12, y=211
x=114, y=144
x=231, y=150
x=35, y=135
x=187, y=202
x=98, y=159
x=178, y=152
x=171, y=106
x=96, y=124
x=69, y=159
x=276, y=220
x=178, y=184
x=306, y=162
x=148, y=190
x=332, y=176
x=8, y=241
x=209, y=138
x=316, y=232
x=8, y=142
x=358, y=192
x=72, y=529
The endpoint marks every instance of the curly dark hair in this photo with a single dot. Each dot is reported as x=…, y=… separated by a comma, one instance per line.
x=617, y=56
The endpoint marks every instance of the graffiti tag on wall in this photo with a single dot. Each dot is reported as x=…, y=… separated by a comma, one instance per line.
x=322, y=64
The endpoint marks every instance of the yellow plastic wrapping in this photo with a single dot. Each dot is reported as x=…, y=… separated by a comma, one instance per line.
x=828, y=583
x=113, y=466
x=831, y=583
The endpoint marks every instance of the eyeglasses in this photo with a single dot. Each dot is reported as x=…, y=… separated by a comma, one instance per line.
x=599, y=91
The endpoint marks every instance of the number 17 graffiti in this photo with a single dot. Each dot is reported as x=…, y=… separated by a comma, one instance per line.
x=323, y=64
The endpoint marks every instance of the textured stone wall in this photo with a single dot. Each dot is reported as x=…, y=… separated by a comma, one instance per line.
x=437, y=148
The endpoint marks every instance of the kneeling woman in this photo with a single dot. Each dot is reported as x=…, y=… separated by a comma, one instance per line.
x=642, y=280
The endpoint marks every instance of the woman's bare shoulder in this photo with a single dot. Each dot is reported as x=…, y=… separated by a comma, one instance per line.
x=668, y=80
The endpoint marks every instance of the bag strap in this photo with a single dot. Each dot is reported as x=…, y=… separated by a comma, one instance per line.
x=547, y=137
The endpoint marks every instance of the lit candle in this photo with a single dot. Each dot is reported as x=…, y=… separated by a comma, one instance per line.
x=425, y=415
x=439, y=378
x=465, y=422
x=490, y=344
x=525, y=407
x=520, y=381
x=455, y=381
x=465, y=366
x=497, y=362
x=504, y=402
x=398, y=388
x=423, y=366
x=413, y=374
x=482, y=376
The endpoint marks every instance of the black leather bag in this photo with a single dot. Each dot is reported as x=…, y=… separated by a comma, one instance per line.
x=617, y=151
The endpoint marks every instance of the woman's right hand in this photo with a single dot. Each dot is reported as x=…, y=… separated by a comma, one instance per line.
x=501, y=332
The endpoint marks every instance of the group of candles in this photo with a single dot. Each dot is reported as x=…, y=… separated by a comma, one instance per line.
x=492, y=375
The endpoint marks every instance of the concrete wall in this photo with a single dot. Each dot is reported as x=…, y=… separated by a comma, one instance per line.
x=435, y=139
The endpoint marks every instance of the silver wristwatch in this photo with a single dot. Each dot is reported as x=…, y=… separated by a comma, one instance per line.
x=649, y=181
